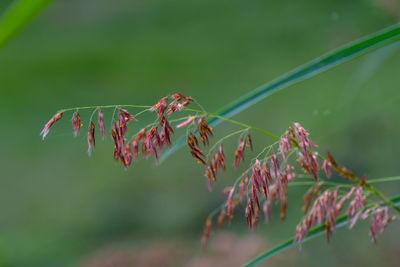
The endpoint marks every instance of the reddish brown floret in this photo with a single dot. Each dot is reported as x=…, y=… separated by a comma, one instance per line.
x=179, y=97
x=50, y=123
x=187, y=122
x=230, y=204
x=206, y=233
x=346, y=173
x=101, y=124
x=284, y=146
x=307, y=200
x=332, y=159
x=198, y=157
x=267, y=209
x=218, y=161
x=127, y=156
x=196, y=152
x=126, y=116
x=141, y=135
x=166, y=133
x=340, y=170
x=242, y=186
x=76, y=123
x=239, y=153
x=249, y=212
x=117, y=134
x=210, y=172
x=152, y=144
x=315, y=166
x=324, y=210
x=176, y=105
x=219, y=158
x=327, y=168
x=222, y=219
x=256, y=218
x=379, y=222
x=91, y=140
x=204, y=130
x=344, y=199
x=311, y=194
x=355, y=207
x=250, y=142
x=309, y=163
x=284, y=204
x=275, y=164
x=122, y=125
x=255, y=197
x=267, y=172
x=161, y=106
x=328, y=230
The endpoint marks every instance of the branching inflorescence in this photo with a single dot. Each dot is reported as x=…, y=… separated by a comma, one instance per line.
x=266, y=180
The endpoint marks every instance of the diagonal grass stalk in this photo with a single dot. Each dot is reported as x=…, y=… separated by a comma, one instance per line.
x=343, y=54
x=313, y=233
x=18, y=15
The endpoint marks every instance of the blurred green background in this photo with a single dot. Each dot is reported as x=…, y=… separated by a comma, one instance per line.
x=59, y=207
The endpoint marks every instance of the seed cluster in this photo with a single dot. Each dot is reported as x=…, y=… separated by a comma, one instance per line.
x=379, y=221
x=326, y=209
x=152, y=141
x=262, y=185
x=267, y=181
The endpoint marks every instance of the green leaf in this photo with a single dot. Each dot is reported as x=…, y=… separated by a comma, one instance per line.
x=17, y=16
x=316, y=66
x=313, y=233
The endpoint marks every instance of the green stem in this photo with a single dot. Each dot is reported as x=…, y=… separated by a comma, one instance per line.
x=106, y=106
x=385, y=179
x=313, y=233
x=310, y=69
x=323, y=183
x=236, y=122
x=382, y=197
x=224, y=138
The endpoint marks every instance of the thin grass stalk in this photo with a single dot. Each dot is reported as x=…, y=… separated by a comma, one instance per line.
x=313, y=233
x=334, y=58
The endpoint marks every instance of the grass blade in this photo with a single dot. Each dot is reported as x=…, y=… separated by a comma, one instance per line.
x=313, y=233
x=316, y=66
x=17, y=16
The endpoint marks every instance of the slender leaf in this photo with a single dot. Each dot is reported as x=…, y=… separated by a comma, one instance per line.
x=316, y=66
x=17, y=16
x=313, y=233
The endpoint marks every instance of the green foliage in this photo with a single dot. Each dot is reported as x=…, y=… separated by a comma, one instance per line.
x=19, y=14
x=316, y=66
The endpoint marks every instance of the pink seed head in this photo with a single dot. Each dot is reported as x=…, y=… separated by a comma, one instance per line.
x=50, y=123
x=101, y=124
x=76, y=123
x=187, y=122
x=91, y=140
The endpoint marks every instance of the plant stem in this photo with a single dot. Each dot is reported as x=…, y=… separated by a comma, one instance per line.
x=385, y=179
x=313, y=233
x=106, y=106
x=237, y=123
x=310, y=69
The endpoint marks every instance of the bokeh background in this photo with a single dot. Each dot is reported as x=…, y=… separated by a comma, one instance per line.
x=59, y=207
